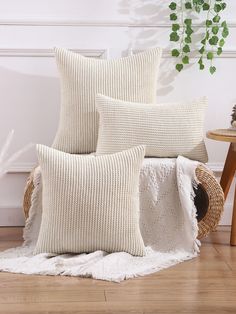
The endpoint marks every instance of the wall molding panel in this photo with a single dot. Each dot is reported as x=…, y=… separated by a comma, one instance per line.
x=45, y=52
x=94, y=53
x=227, y=53
x=166, y=53
x=93, y=23
x=23, y=167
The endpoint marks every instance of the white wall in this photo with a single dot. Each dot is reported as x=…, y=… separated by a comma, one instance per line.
x=29, y=86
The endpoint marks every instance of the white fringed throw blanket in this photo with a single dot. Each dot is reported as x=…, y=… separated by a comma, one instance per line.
x=167, y=221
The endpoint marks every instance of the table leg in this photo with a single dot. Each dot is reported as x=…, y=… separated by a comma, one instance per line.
x=233, y=228
x=226, y=180
x=229, y=170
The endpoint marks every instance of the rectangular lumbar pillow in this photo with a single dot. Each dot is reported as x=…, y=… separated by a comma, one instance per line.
x=130, y=78
x=90, y=203
x=167, y=130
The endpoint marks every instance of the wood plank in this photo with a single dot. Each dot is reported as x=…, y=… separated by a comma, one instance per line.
x=181, y=307
x=7, y=245
x=233, y=228
x=11, y=295
x=203, y=285
x=11, y=233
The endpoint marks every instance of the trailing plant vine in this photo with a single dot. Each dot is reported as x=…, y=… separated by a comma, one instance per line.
x=182, y=31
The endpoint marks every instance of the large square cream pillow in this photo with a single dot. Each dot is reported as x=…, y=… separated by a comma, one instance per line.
x=130, y=78
x=167, y=130
x=90, y=203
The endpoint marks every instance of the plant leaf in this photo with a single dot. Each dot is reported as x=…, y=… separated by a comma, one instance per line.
x=219, y=51
x=215, y=29
x=202, y=50
x=221, y=42
x=224, y=24
x=217, y=8
x=210, y=55
x=188, y=40
x=200, y=61
x=216, y=19
x=175, y=53
x=174, y=36
x=185, y=60
x=175, y=27
x=225, y=32
x=173, y=17
x=223, y=5
x=206, y=6
x=179, y=67
x=213, y=40
x=208, y=23
x=186, y=48
x=188, y=5
x=212, y=69
x=188, y=22
x=173, y=5
x=188, y=30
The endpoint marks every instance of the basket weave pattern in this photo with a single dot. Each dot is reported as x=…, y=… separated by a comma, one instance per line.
x=204, y=176
x=216, y=201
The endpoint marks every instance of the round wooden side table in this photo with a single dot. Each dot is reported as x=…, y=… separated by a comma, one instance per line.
x=228, y=135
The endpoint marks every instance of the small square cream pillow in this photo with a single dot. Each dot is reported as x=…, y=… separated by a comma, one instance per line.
x=131, y=78
x=167, y=130
x=90, y=203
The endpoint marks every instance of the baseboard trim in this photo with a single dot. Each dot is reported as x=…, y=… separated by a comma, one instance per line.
x=227, y=214
x=216, y=167
x=11, y=216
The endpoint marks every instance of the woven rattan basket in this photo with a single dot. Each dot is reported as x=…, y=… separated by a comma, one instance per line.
x=215, y=197
x=213, y=200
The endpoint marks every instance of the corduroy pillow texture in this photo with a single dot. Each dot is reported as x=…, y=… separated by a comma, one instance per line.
x=130, y=78
x=167, y=130
x=90, y=203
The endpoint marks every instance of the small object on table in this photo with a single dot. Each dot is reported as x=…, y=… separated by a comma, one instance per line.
x=233, y=117
x=228, y=135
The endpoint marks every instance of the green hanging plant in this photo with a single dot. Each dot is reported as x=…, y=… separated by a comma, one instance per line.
x=182, y=31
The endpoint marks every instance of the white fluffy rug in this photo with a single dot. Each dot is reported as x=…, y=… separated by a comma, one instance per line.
x=167, y=221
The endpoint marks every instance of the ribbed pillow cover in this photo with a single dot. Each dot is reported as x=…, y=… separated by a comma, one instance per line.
x=130, y=78
x=167, y=130
x=90, y=203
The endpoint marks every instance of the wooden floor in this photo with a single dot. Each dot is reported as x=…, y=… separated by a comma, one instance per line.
x=206, y=284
